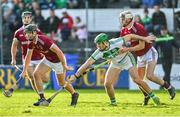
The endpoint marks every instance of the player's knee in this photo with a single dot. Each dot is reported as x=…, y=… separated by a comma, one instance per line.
x=45, y=80
x=61, y=83
x=107, y=84
x=31, y=76
x=137, y=81
x=36, y=74
x=149, y=76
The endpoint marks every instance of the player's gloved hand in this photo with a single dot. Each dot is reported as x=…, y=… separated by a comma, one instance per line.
x=150, y=39
x=71, y=78
x=13, y=62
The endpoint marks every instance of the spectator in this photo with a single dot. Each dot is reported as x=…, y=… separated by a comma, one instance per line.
x=177, y=21
x=39, y=20
x=29, y=7
x=92, y=3
x=151, y=3
x=61, y=3
x=7, y=33
x=178, y=4
x=80, y=29
x=102, y=3
x=7, y=8
x=65, y=30
x=46, y=4
x=158, y=20
x=81, y=3
x=35, y=5
x=147, y=21
x=169, y=3
x=52, y=22
x=165, y=43
x=72, y=4
x=137, y=18
x=18, y=9
x=135, y=3
x=66, y=15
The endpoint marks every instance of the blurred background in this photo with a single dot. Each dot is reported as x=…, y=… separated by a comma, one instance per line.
x=75, y=24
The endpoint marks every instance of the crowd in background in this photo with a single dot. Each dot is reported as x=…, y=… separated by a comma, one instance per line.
x=65, y=28
x=59, y=28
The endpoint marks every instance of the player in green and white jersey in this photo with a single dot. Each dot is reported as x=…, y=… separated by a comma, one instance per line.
x=111, y=49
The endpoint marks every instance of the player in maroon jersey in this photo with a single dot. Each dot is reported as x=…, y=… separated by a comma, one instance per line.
x=19, y=39
x=53, y=59
x=146, y=54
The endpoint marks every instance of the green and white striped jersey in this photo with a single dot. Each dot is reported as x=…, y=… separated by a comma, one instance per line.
x=112, y=52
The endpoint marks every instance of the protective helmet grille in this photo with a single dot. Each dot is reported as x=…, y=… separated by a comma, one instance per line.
x=126, y=15
x=26, y=13
x=30, y=28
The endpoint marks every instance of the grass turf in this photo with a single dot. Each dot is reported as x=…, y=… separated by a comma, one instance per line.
x=93, y=102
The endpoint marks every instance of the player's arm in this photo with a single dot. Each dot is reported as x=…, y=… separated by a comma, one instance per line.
x=14, y=50
x=60, y=55
x=84, y=67
x=81, y=70
x=147, y=39
x=27, y=62
x=138, y=47
x=141, y=44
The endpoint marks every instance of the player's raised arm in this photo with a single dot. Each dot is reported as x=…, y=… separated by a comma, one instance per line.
x=147, y=39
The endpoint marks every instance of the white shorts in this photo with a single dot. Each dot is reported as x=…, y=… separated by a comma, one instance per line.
x=33, y=62
x=124, y=64
x=151, y=55
x=57, y=67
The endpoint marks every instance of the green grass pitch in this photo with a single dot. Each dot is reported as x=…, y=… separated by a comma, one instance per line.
x=93, y=102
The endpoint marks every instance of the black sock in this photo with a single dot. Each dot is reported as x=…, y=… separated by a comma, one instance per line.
x=11, y=89
x=144, y=93
x=74, y=94
x=41, y=95
x=166, y=85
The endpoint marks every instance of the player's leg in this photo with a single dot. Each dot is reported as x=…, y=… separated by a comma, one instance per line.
x=40, y=70
x=61, y=74
x=68, y=87
x=141, y=72
x=150, y=74
x=152, y=77
x=167, y=65
x=111, y=77
x=135, y=77
x=30, y=71
x=151, y=60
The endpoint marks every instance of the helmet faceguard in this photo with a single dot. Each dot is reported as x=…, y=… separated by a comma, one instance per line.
x=126, y=16
x=31, y=28
x=25, y=13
